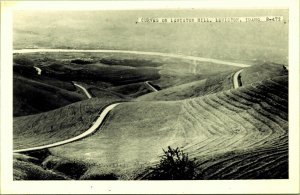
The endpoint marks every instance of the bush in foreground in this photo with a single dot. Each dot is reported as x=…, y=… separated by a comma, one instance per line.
x=174, y=165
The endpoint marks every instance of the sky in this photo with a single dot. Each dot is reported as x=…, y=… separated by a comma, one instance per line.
x=265, y=41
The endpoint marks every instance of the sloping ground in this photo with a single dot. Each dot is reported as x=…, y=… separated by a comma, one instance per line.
x=118, y=69
x=238, y=133
x=261, y=72
x=131, y=90
x=57, y=125
x=103, y=93
x=196, y=67
x=193, y=89
x=32, y=97
x=28, y=168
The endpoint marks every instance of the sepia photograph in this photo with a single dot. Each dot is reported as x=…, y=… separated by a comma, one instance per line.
x=190, y=94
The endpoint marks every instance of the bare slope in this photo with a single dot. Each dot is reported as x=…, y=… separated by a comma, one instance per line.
x=122, y=73
x=261, y=72
x=247, y=126
x=193, y=89
x=57, y=125
x=31, y=96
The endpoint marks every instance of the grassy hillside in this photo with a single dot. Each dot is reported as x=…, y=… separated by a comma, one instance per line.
x=261, y=72
x=131, y=90
x=237, y=133
x=216, y=83
x=31, y=96
x=57, y=125
x=193, y=89
x=121, y=73
x=27, y=168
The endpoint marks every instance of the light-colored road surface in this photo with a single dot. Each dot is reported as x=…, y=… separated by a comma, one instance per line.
x=194, y=58
x=100, y=119
x=150, y=86
x=236, y=79
x=83, y=89
x=91, y=130
x=39, y=71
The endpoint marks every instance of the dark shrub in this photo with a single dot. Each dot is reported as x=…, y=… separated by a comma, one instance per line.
x=29, y=171
x=174, y=165
x=41, y=155
x=81, y=61
x=71, y=169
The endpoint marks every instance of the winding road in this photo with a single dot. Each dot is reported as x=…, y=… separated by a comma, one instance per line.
x=236, y=75
x=83, y=89
x=91, y=130
x=39, y=71
x=150, y=86
x=104, y=113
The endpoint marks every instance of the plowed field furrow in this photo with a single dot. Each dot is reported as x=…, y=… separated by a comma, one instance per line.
x=199, y=105
x=263, y=122
x=194, y=148
x=279, y=171
x=236, y=101
x=278, y=90
x=194, y=122
x=260, y=140
x=273, y=102
x=210, y=163
x=269, y=85
x=274, y=123
x=196, y=117
x=225, y=144
x=238, y=112
x=204, y=149
x=258, y=102
x=268, y=104
x=212, y=147
x=225, y=112
x=228, y=170
x=233, y=126
x=270, y=164
x=278, y=142
x=230, y=110
x=236, y=166
x=260, y=123
x=258, y=110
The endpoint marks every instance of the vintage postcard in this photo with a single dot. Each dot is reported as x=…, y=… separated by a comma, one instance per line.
x=187, y=97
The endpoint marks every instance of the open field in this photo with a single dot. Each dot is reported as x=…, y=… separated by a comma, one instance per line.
x=198, y=110
x=98, y=96
x=121, y=73
x=213, y=128
x=193, y=89
x=57, y=125
x=31, y=96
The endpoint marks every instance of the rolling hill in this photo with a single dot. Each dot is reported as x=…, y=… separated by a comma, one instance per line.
x=238, y=133
x=212, y=84
x=32, y=97
x=57, y=125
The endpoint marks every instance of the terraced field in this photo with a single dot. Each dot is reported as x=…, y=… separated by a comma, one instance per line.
x=247, y=131
x=234, y=134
